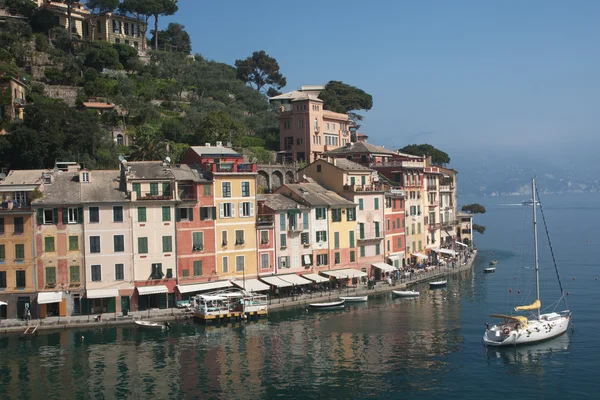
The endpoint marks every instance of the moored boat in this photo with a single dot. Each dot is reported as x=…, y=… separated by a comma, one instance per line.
x=406, y=293
x=489, y=270
x=334, y=305
x=150, y=325
x=354, y=299
x=493, y=262
x=437, y=284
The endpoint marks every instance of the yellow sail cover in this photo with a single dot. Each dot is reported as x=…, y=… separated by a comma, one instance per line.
x=536, y=304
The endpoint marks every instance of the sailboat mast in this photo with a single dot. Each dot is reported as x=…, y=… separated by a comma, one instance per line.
x=535, y=245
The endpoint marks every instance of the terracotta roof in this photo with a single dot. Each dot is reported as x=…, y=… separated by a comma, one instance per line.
x=360, y=147
x=316, y=195
x=348, y=165
x=23, y=177
x=214, y=150
x=280, y=202
x=92, y=104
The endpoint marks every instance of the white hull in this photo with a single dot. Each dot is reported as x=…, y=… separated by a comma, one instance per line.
x=406, y=293
x=151, y=325
x=328, y=306
x=437, y=284
x=547, y=327
x=488, y=270
x=355, y=299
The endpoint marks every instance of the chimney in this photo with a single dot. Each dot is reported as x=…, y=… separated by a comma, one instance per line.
x=334, y=161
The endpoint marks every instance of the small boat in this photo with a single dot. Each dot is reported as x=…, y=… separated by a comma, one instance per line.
x=406, y=293
x=493, y=262
x=437, y=284
x=335, y=305
x=530, y=203
x=151, y=325
x=354, y=299
x=489, y=270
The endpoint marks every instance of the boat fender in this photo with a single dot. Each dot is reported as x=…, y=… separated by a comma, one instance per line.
x=506, y=331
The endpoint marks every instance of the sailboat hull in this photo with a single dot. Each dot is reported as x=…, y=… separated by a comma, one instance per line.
x=547, y=327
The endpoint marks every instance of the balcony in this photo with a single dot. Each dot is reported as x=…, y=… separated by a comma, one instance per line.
x=445, y=188
x=14, y=206
x=265, y=220
x=432, y=188
x=370, y=236
x=433, y=204
x=434, y=227
x=187, y=193
x=362, y=188
x=295, y=228
x=231, y=167
x=151, y=196
x=396, y=192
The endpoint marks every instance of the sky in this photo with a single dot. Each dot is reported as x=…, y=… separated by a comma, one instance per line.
x=464, y=76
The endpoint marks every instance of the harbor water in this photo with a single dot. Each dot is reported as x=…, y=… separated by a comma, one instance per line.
x=424, y=348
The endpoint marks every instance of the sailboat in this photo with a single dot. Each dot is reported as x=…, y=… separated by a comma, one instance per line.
x=517, y=329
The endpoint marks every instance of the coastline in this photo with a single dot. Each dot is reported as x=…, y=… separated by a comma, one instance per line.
x=169, y=315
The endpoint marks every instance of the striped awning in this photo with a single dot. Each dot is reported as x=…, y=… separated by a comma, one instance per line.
x=251, y=285
x=145, y=290
x=275, y=281
x=294, y=279
x=200, y=287
x=315, y=278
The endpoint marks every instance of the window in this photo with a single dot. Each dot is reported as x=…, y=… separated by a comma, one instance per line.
x=143, y=245
x=73, y=243
x=2, y=279
x=85, y=177
x=50, y=276
x=50, y=216
x=399, y=242
x=363, y=180
x=321, y=236
x=264, y=261
x=226, y=186
x=239, y=263
x=198, y=268
x=166, y=213
x=361, y=205
x=96, y=273
x=305, y=238
x=377, y=249
x=154, y=189
x=166, y=189
x=137, y=188
x=361, y=230
x=362, y=251
x=336, y=215
x=284, y=262
x=206, y=190
x=1, y=226
x=321, y=213
x=118, y=214
x=207, y=213
x=224, y=238
x=239, y=237
x=264, y=237
x=282, y=240
x=225, y=264
x=336, y=257
x=336, y=240
x=197, y=241
x=388, y=224
x=2, y=252
x=185, y=273
x=141, y=211
x=351, y=214
x=20, y=279
x=119, y=243
x=127, y=28
x=376, y=229
x=72, y=215
x=227, y=210
x=318, y=168
x=388, y=245
x=49, y=244
x=74, y=274
x=157, y=271
x=119, y=272
x=167, y=244
x=18, y=225
x=245, y=189
x=94, y=244
x=351, y=238
x=94, y=214
x=352, y=256
x=121, y=142
x=321, y=259
x=19, y=252
x=376, y=203
x=184, y=214
x=246, y=209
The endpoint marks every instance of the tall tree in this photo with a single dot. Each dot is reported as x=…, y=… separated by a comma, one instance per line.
x=140, y=10
x=345, y=99
x=261, y=70
x=176, y=37
x=158, y=8
x=98, y=8
x=70, y=4
x=438, y=157
x=475, y=209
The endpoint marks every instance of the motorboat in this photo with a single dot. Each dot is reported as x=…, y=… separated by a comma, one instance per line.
x=489, y=270
x=354, y=299
x=406, y=293
x=334, y=305
x=437, y=284
x=493, y=262
x=518, y=329
x=151, y=325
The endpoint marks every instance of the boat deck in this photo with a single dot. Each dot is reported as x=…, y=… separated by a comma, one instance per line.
x=207, y=317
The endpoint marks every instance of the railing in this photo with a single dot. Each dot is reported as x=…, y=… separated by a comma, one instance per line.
x=265, y=220
x=445, y=188
x=187, y=193
x=434, y=203
x=232, y=167
x=432, y=187
x=14, y=206
x=151, y=196
x=362, y=188
x=434, y=226
x=372, y=235
x=295, y=227
x=396, y=192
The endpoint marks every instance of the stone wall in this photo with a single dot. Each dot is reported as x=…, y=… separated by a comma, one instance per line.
x=68, y=94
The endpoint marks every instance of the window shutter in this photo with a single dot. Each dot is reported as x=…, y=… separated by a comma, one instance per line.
x=65, y=216
x=190, y=214
x=324, y=236
x=40, y=216
x=282, y=222
x=241, y=206
x=251, y=209
x=214, y=213
x=55, y=215
x=178, y=214
x=80, y=215
x=232, y=210
x=305, y=220
x=221, y=210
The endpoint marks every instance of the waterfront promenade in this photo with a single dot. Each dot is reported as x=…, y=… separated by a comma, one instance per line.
x=275, y=303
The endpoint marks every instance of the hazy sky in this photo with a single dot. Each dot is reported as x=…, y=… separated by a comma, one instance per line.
x=451, y=73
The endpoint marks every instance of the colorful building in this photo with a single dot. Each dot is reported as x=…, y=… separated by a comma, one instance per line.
x=395, y=238
x=265, y=237
x=17, y=262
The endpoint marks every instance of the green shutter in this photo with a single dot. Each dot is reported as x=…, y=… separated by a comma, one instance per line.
x=352, y=256
x=362, y=251
x=282, y=222
x=49, y=244
x=2, y=252
x=283, y=239
x=167, y=243
x=73, y=243
x=40, y=216
x=336, y=240
x=55, y=215
x=352, y=180
x=166, y=213
x=141, y=214
x=376, y=203
x=362, y=230
x=19, y=251
x=177, y=214
x=142, y=245
x=198, y=268
x=112, y=305
x=80, y=215
x=50, y=275
x=166, y=188
x=305, y=220
x=65, y=216
x=190, y=214
x=154, y=189
x=74, y=273
x=351, y=239
x=162, y=301
x=361, y=204
x=136, y=187
x=206, y=190
x=376, y=229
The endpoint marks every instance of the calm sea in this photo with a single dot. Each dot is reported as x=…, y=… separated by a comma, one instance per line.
x=426, y=348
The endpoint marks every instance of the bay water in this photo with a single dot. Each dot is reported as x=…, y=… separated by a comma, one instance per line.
x=424, y=348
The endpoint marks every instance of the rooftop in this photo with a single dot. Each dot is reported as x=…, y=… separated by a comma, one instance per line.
x=347, y=165
x=23, y=177
x=102, y=187
x=214, y=150
x=280, y=202
x=316, y=195
x=64, y=189
x=360, y=148
x=296, y=95
x=149, y=170
x=95, y=104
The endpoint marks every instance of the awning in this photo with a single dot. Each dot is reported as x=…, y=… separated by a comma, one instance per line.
x=462, y=244
x=384, y=267
x=145, y=290
x=431, y=246
x=294, y=279
x=335, y=274
x=212, y=298
x=396, y=256
x=445, y=251
x=315, y=278
x=345, y=273
x=3, y=303
x=199, y=287
x=49, y=297
x=275, y=281
x=420, y=255
x=252, y=285
x=101, y=293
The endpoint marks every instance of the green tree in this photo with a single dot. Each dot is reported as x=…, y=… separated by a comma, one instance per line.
x=158, y=8
x=479, y=228
x=260, y=70
x=147, y=144
x=219, y=126
x=475, y=209
x=128, y=56
x=100, y=55
x=438, y=157
x=175, y=38
x=43, y=20
x=345, y=99
x=25, y=8
x=140, y=10
x=98, y=8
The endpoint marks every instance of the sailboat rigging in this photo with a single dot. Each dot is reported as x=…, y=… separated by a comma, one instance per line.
x=518, y=329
